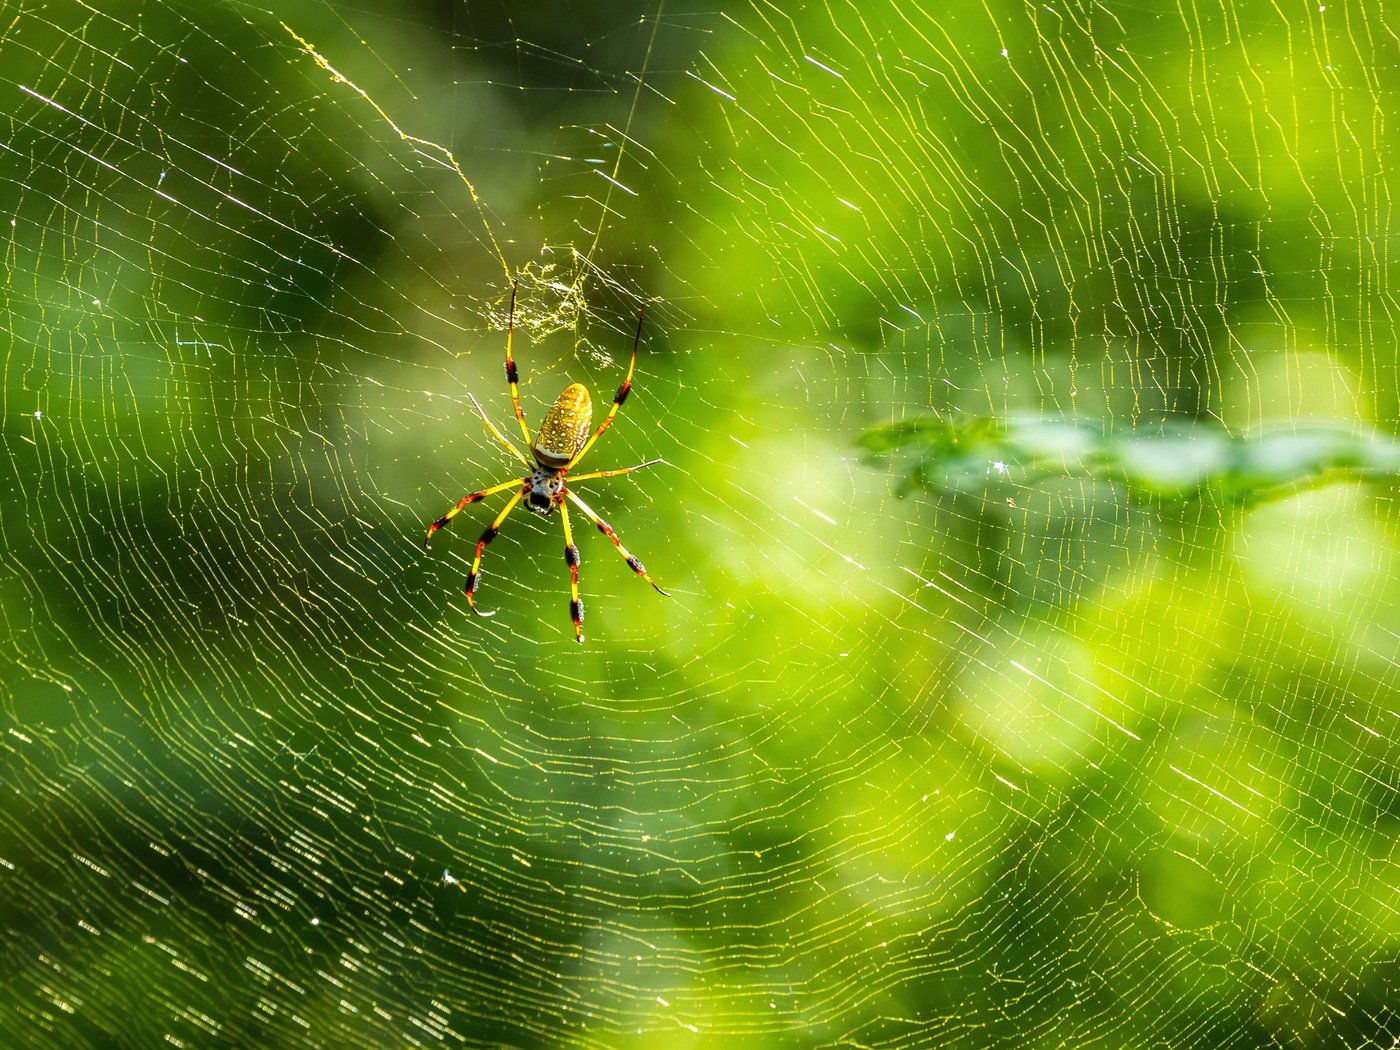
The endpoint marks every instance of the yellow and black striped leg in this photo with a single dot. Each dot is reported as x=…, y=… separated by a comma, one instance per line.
x=470, y=499
x=620, y=397
x=512, y=373
x=571, y=559
x=615, y=473
x=606, y=530
x=487, y=537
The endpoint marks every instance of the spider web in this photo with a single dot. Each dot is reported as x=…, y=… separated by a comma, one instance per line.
x=1037, y=753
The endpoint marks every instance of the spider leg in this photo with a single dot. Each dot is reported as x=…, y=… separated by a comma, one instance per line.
x=512, y=373
x=501, y=437
x=614, y=473
x=487, y=537
x=617, y=400
x=470, y=499
x=607, y=531
x=571, y=559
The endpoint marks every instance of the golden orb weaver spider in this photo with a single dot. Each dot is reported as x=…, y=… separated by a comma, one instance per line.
x=557, y=448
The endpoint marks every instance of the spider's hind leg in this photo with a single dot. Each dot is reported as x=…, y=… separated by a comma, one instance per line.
x=614, y=473
x=571, y=559
x=606, y=530
x=487, y=536
x=465, y=500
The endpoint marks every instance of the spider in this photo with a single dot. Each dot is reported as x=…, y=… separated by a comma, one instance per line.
x=557, y=448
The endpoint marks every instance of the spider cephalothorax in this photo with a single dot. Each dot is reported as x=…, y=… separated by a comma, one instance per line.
x=546, y=491
x=562, y=441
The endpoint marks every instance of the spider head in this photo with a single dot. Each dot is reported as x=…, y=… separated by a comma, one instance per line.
x=546, y=489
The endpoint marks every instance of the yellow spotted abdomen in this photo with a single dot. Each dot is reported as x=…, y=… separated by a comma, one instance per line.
x=565, y=428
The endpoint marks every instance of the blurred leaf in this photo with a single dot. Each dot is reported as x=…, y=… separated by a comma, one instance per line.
x=1176, y=462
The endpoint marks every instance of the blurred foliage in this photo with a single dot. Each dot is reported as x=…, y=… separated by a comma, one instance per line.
x=1177, y=461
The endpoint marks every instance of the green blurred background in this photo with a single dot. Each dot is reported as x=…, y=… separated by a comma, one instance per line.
x=1026, y=378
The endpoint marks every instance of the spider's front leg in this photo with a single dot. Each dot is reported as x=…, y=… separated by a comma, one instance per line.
x=513, y=373
x=618, y=399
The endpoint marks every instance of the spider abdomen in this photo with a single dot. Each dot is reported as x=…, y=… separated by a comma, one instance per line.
x=565, y=428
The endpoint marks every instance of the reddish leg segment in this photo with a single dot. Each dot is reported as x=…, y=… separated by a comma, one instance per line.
x=471, y=499
x=486, y=537
x=607, y=531
x=571, y=559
